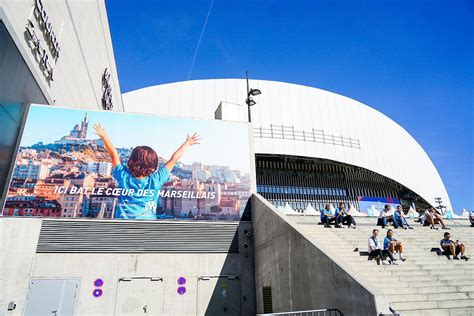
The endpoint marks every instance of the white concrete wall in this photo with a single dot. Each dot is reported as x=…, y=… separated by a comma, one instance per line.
x=86, y=50
x=386, y=148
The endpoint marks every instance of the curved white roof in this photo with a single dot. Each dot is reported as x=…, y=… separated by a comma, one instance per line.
x=371, y=140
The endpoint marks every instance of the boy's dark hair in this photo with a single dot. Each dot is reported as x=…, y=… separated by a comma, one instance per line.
x=446, y=234
x=143, y=161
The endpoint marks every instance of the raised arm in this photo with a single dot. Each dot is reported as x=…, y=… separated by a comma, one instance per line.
x=190, y=140
x=100, y=131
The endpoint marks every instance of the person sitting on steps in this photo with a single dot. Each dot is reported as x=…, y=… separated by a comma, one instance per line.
x=343, y=216
x=392, y=246
x=431, y=218
x=374, y=249
x=386, y=216
x=400, y=218
x=452, y=248
x=327, y=216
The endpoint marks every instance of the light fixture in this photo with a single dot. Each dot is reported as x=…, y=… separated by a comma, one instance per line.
x=250, y=92
x=255, y=92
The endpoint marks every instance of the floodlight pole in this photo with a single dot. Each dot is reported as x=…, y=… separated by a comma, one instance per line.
x=440, y=204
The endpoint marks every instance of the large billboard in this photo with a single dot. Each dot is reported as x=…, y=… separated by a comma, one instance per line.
x=374, y=205
x=99, y=164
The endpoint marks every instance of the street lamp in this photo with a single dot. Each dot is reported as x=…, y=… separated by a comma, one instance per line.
x=250, y=92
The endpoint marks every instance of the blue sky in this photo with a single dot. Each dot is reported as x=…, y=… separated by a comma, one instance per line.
x=163, y=134
x=412, y=60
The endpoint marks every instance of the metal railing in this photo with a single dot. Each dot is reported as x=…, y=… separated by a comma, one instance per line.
x=314, y=135
x=314, y=312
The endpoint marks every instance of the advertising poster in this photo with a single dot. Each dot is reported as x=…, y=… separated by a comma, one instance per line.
x=110, y=165
x=372, y=206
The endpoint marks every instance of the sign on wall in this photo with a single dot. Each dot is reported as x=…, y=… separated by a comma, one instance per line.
x=101, y=164
x=41, y=36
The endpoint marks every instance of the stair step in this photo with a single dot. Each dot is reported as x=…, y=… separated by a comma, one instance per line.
x=456, y=303
x=433, y=289
x=403, y=306
x=441, y=312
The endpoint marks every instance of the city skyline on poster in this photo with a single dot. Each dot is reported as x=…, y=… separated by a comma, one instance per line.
x=65, y=170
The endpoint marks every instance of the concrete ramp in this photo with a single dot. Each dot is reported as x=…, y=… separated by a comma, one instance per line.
x=294, y=271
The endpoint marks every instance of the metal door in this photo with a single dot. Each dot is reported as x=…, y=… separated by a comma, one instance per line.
x=139, y=296
x=218, y=295
x=51, y=297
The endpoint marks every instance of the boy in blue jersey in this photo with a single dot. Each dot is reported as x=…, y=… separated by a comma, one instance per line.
x=141, y=180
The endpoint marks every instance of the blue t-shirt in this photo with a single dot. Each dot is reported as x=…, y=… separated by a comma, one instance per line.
x=328, y=213
x=339, y=211
x=142, y=196
x=387, y=241
x=396, y=215
x=445, y=242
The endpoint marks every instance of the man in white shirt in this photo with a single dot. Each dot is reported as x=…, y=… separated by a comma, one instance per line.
x=386, y=216
x=431, y=217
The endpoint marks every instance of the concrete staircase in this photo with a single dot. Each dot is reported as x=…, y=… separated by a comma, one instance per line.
x=425, y=284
